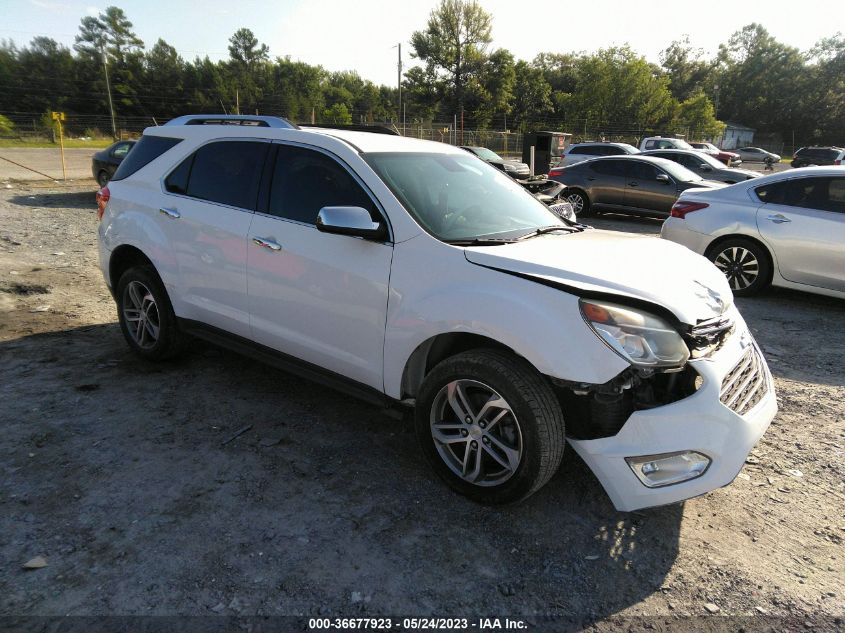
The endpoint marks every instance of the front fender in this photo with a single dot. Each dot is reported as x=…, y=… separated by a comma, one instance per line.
x=435, y=290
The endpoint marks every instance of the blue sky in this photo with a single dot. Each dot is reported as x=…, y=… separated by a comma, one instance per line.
x=362, y=34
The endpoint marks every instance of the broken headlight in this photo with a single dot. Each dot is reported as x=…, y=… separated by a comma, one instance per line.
x=643, y=339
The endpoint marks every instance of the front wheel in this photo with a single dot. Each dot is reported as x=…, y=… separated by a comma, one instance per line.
x=579, y=201
x=745, y=263
x=490, y=425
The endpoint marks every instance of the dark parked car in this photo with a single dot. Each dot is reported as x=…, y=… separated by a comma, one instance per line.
x=512, y=168
x=704, y=165
x=104, y=163
x=634, y=184
x=806, y=156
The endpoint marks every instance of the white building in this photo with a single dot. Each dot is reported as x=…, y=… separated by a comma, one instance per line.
x=736, y=135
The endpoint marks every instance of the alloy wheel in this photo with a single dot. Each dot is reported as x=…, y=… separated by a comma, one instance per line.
x=476, y=432
x=141, y=314
x=739, y=265
x=577, y=202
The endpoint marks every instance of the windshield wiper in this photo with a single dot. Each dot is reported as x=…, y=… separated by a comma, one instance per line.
x=551, y=229
x=480, y=241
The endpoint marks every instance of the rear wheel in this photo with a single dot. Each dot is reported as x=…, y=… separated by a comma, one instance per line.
x=745, y=263
x=146, y=315
x=579, y=201
x=490, y=426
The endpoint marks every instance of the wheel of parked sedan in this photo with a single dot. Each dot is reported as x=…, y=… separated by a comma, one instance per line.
x=579, y=201
x=745, y=263
x=102, y=178
x=490, y=425
x=146, y=315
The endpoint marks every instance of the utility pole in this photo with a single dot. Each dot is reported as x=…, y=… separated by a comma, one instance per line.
x=399, y=87
x=108, y=90
x=237, y=102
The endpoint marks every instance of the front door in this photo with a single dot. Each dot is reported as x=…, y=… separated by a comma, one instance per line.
x=646, y=192
x=803, y=219
x=319, y=297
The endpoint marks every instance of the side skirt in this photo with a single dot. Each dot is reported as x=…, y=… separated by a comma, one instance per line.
x=291, y=364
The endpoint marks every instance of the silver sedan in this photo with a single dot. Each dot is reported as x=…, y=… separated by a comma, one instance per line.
x=756, y=155
x=786, y=229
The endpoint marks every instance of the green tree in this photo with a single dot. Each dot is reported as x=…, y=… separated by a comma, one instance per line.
x=761, y=81
x=337, y=113
x=687, y=68
x=164, y=79
x=698, y=117
x=6, y=126
x=532, y=96
x=454, y=44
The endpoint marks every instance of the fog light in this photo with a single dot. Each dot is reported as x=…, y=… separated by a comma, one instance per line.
x=666, y=469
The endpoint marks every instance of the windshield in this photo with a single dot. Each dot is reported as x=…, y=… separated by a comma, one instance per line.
x=681, y=144
x=709, y=160
x=486, y=154
x=458, y=198
x=679, y=172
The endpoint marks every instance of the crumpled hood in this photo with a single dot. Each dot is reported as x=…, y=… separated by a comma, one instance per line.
x=624, y=264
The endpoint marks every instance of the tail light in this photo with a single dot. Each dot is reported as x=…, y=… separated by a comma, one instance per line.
x=682, y=207
x=556, y=171
x=103, y=196
x=837, y=162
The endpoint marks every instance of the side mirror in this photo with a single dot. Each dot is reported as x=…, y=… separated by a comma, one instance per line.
x=662, y=178
x=355, y=221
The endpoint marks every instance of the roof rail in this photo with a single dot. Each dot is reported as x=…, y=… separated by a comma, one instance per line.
x=354, y=127
x=233, y=119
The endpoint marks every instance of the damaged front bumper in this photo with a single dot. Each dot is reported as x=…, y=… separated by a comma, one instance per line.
x=722, y=420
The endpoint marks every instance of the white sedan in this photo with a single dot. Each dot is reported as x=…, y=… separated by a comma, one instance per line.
x=787, y=229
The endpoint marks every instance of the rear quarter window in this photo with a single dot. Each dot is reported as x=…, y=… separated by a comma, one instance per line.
x=145, y=151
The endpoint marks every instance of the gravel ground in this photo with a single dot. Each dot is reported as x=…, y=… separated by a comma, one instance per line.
x=124, y=476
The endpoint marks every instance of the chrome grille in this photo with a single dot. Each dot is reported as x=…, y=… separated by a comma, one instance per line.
x=746, y=384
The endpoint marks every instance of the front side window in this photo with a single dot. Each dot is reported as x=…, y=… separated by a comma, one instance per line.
x=643, y=171
x=304, y=181
x=226, y=172
x=457, y=198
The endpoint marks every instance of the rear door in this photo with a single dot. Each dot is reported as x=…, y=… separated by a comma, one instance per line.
x=803, y=220
x=207, y=209
x=644, y=191
x=316, y=296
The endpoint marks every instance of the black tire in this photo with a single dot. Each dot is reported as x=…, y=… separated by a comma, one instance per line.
x=534, y=410
x=572, y=195
x=737, y=257
x=157, y=313
x=102, y=178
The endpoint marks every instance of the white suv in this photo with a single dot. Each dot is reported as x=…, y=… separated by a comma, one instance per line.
x=412, y=274
x=663, y=142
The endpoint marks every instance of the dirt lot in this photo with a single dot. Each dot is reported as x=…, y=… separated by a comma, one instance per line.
x=120, y=475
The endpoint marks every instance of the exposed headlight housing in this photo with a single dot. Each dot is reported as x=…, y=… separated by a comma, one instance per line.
x=643, y=339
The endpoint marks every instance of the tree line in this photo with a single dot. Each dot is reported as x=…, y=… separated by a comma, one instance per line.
x=754, y=79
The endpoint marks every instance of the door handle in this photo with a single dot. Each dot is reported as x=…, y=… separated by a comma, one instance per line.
x=260, y=241
x=591, y=178
x=633, y=184
x=170, y=213
x=779, y=219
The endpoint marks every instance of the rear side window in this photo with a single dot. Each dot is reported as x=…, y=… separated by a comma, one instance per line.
x=608, y=167
x=612, y=150
x=589, y=150
x=144, y=152
x=305, y=181
x=825, y=194
x=226, y=172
